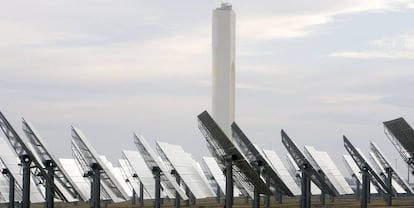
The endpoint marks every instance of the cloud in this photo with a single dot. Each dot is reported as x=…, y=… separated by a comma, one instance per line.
x=371, y=54
x=303, y=19
x=350, y=98
x=179, y=54
x=103, y=43
x=399, y=47
x=281, y=27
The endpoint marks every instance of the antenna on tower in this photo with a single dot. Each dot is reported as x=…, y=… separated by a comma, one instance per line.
x=225, y=5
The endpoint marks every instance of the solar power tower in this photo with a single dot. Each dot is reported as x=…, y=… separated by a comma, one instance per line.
x=309, y=173
x=353, y=169
x=401, y=135
x=56, y=173
x=160, y=172
x=322, y=161
x=368, y=172
x=140, y=175
x=260, y=164
x=185, y=170
x=385, y=164
x=30, y=165
x=230, y=158
x=97, y=169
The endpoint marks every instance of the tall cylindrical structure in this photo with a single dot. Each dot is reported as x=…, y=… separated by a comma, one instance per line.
x=224, y=46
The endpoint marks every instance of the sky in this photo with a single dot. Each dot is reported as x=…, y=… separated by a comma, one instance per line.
x=317, y=69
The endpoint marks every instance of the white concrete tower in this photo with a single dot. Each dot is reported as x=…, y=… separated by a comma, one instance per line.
x=224, y=46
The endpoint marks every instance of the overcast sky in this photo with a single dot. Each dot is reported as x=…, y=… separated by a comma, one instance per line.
x=318, y=69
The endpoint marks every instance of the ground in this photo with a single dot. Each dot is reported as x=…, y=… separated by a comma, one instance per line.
x=240, y=203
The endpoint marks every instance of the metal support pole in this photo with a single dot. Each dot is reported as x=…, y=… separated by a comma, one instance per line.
x=177, y=195
x=309, y=194
x=369, y=189
x=141, y=194
x=267, y=197
x=365, y=188
x=229, y=184
x=134, y=197
x=50, y=192
x=157, y=174
x=305, y=186
x=187, y=192
x=246, y=199
x=322, y=199
x=389, y=184
x=305, y=193
x=11, y=187
x=278, y=196
x=358, y=187
x=11, y=191
x=303, y=197
x=218, y=194
x=90, y=174
x=193, y=199
x=256, y=200
x=96, y=185
x=26, y=160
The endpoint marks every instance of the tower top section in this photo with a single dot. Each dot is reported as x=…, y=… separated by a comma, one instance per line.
x=225, y=6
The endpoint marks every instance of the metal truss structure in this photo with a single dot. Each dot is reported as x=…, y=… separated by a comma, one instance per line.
x=229, y=157
x=214, y=172
x=294, y=171
x=30, y=165
x=385, y=164
x=184, y=166
x=140, y=173
x=309, y=173
x=93, y=165
x=260, y=163
x=60, y=176
x=366, y=172
x=162, y=175
x=323, y=162
x=401, y=135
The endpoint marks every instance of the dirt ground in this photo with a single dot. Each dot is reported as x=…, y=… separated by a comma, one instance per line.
x=340, y=202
